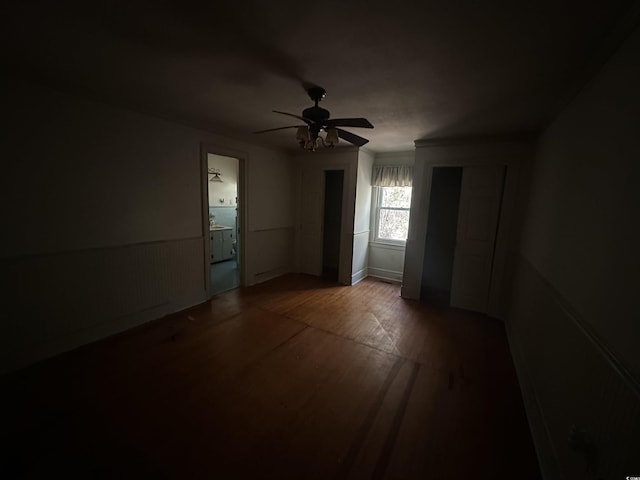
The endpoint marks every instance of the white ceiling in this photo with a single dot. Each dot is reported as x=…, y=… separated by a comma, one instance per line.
x=415, y=69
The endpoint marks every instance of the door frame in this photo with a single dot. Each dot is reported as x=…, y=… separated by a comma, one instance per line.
x=346, y=159
x=509, y=152
x=206, y=148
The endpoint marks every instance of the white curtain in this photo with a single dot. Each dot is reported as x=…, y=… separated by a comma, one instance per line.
x=392, y=176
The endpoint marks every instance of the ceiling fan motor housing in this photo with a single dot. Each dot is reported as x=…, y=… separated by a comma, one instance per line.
x=317, y=114
x=316, y=93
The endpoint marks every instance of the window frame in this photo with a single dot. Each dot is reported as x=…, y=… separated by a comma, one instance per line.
x=378, y=207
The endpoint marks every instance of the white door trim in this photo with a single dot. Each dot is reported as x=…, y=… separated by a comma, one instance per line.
x=242, y=157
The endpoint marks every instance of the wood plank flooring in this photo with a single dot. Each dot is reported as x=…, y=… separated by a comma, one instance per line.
x=293, y=378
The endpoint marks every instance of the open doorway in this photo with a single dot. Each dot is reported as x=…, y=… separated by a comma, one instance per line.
x=332, y=223
x=223, y=175
x=440, y=243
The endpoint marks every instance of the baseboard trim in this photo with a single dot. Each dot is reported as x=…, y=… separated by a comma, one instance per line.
x=359, y=276
x=269, y=275
x=385, y=274
x=547, y=456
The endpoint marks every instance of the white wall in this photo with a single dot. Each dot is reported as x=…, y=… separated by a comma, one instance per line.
x=574, y=324
x=362, y=218
x=406, y=157
x=387, y=261
x=103, y=222
x=271, y=215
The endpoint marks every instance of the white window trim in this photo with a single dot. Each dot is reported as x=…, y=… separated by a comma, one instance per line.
x=377, y=202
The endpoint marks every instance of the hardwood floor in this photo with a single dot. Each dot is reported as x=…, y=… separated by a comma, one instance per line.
x=294, y=378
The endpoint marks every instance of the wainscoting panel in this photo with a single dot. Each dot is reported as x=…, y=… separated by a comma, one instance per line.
x=59, y=301
x=576, y=389
x=360, y=260
x=383, y=274
x=386, y=261
x=279, y=242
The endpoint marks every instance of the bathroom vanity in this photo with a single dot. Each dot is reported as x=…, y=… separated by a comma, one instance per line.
x=221, y=243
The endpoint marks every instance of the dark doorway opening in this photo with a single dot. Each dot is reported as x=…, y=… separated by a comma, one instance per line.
x=440, y=243
x=332, y=223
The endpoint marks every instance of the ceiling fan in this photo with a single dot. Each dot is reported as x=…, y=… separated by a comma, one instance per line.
x=317, y=119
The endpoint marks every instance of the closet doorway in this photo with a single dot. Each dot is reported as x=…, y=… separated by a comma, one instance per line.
x=464, y=212
x=332, y=223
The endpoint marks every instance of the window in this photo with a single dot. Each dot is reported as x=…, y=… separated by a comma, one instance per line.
x=392, y=202
x=392, y=214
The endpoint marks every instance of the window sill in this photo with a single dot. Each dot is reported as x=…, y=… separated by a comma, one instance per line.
x=387, y=245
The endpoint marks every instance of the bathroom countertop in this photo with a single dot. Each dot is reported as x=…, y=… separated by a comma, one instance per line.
x=218, y=227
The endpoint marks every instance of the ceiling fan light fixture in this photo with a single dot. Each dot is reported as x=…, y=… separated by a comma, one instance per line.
x=303, y=137
x=311, y=144
x=332, y=137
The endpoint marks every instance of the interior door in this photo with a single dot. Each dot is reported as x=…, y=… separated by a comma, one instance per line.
x=311, y=224
x=479, y=209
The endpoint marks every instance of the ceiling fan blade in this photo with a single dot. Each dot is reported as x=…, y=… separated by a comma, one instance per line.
x=279, y=128
x=307, y=120
x=349, y=122
x=352, y=137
